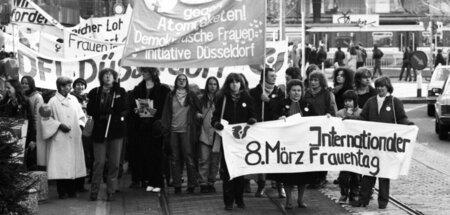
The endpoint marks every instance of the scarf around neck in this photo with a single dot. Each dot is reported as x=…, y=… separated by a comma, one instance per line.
x=181, y=95
x=268, y=88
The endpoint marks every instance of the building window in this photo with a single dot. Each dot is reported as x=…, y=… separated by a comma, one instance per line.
x=382, y=39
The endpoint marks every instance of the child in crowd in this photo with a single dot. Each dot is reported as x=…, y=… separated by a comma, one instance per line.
x=349, y=181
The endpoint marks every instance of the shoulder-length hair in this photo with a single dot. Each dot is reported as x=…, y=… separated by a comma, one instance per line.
x=295, y=82
x=105, y=71
x=384, y=81
x=226, y=90
x=154, y=73
x=319, y=76
x=348, y=76
x=361, y=73
x=31, y=85
x=62, y=81
x=18, y=90
x=204, y=99
x=246, y=87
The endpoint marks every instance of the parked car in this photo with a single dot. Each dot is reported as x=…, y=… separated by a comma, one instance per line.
x=442, y=111
x=438, y=78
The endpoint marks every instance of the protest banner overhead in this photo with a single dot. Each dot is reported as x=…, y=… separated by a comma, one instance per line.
x=191, y=35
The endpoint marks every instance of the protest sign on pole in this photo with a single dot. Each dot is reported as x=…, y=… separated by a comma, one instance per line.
x=305, y=144
x=191, y=35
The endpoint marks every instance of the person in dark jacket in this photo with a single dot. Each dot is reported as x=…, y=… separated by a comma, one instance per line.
x=439, y=59
x=264, y=97
x=377, y=55
x=406, y=64
x=321, y=56
x=339, y=57
x=14, y=104
x=342, y=81
x=322, y=101
x=294, y=104
x=146, y=163
x=107, y=105
x=363, y=86
x=234, y=105
x=387, y=109
x=180, y=120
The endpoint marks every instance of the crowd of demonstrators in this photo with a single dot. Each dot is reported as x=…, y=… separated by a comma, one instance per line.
x=166, y=129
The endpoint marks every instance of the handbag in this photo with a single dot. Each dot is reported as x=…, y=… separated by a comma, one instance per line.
x=217, y=140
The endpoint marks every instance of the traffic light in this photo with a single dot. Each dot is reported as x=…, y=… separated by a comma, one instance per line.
x=5, y=13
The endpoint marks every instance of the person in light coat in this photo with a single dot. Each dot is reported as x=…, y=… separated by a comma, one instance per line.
x=62, y=120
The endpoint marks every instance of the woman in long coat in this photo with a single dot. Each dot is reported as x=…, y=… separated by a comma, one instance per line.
x=294, y=104
x=61, y=120
x=237, y=107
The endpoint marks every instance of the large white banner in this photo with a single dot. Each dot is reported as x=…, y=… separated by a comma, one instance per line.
x=319, y=144
x=45, y=70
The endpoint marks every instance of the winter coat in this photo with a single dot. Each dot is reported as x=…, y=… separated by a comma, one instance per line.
x=323, y=102
x=276, y=96
x=64, y=151
x=235, y=111
x=391, y=107
x=100, y=115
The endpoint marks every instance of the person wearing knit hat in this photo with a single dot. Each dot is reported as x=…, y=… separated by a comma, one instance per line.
x=79, y=85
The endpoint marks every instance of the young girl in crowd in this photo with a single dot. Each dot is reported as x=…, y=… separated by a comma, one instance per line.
x=14, y=104
x=235, y=106
x=363, y=86
x=349, y=181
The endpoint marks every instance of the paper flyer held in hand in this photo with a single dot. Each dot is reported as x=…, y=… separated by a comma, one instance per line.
x=144, y=106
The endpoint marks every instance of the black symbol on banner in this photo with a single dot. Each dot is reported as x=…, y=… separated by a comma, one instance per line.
x=240, y=133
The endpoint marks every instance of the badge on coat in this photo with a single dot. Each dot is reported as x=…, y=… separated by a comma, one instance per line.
x=287, y=107
x=244, y=105
x=388, y=108
x=306, y=109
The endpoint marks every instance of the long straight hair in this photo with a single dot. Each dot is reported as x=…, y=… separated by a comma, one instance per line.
x=31, y=85
x=204, y=100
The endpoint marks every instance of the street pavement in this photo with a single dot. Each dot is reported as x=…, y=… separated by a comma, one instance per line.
x=426, y=189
